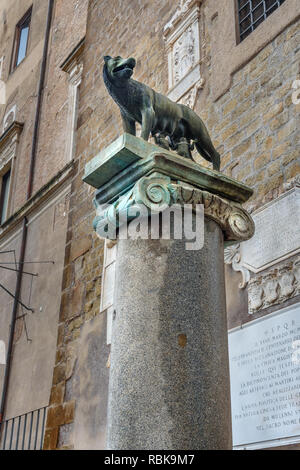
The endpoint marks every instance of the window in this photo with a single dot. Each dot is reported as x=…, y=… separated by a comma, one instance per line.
x=253, y=12
x=21, y=40
x=5, y=183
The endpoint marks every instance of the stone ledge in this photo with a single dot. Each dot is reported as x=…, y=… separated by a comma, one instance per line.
x=38, y=198
x=116, y=169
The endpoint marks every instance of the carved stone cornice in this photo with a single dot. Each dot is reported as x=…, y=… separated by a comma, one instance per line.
x=74, y=58
x=8, y=143
x=11, y=134
x=157, y=192
x=183, y=9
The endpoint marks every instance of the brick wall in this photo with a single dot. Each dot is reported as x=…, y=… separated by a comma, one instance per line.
x=68, y=28
x=254, y=125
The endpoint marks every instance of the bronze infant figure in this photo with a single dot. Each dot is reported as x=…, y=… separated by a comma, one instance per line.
x=173, y=125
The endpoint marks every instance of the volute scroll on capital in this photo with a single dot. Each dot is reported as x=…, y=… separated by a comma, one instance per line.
x=157, y=192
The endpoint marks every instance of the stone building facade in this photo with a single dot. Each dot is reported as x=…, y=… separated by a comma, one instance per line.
x=36, y=166
x=244, y=88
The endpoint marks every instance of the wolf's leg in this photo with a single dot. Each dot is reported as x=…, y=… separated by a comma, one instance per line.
x=128, y=125
x=147, y=122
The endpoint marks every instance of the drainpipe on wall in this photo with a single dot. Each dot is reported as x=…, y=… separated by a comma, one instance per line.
x=24, y=226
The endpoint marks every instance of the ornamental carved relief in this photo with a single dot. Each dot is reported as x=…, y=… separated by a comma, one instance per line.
x=182, y=36
x=190, y=98
x=239, y=255
x=156, y=193
x=183, y=8
x=255, y=295
x=274, y=287
x=232, y=256
x=184, y=54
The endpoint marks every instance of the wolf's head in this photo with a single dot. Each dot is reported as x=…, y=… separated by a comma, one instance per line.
x=118, y=69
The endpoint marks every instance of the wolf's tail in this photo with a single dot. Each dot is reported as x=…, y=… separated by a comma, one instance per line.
x=209, y=153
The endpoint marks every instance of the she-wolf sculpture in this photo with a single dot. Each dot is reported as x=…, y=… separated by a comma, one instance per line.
x=172, y=125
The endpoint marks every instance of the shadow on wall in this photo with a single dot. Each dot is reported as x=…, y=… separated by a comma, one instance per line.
x=88, y=385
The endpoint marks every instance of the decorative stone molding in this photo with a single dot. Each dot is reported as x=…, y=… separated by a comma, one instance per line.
x=8, y=144
x=183, y=8
x=2, y=84
x=235, y=222
x=285, y=238
x=232, y=256
x=8, y=152
x=9, y=117
x=73, y=66
x=40, y=200
x=190, y=98
x=157, y=192
x=182, y=35
x=274, y=287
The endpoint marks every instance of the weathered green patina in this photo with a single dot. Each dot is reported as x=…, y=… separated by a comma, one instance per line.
x=158, y=178
x=173, y=125
x=116, y=169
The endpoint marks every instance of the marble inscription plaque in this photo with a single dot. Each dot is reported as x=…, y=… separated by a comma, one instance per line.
x=265, y=379
x=277, y=233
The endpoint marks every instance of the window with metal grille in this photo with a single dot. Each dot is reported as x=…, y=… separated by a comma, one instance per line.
x=252, y=13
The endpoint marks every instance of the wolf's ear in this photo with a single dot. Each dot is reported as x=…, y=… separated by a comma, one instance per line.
x=106, y=58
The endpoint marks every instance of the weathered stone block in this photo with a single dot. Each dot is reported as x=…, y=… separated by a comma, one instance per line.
x=51, y=439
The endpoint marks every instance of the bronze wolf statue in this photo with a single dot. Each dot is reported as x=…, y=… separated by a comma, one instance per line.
x=171, y=124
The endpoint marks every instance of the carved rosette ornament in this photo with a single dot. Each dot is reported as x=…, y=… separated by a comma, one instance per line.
x=157, y=192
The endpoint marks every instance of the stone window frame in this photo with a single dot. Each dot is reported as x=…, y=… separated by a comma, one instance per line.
x=9, y=141
x=73, y=66
x=25, y=20
x=4, y=201
x=228, y=54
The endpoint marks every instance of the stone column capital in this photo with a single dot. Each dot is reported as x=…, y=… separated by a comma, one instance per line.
x=131, y=171
x=157, y=192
